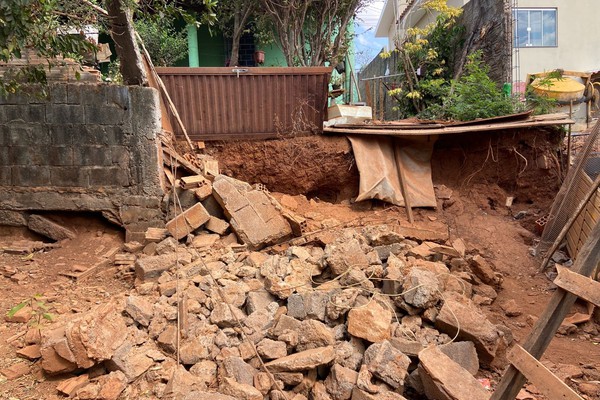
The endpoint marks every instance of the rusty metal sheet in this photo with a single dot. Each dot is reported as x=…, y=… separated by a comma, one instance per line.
x=237, y=103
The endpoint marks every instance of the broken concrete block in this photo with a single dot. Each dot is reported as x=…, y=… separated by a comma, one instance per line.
x=461, y=315
x=483, y=270
x=271, y=349
x=464, y=354
x=372, y=323
x=112, y=385
x=195, y=349
x=217, y=225
x=239, y=390
x=153, y=266
x=342, y=256
x=252, y=216
x=204, y=241
x=70, y=386
x=387, y=363
x=238, y=369
x=188, y=221
x=46, y=227
x=445, y=379
x=139, y=309
x=313, y=333
x=303, y=360
x=421, y=288
x=340, y=382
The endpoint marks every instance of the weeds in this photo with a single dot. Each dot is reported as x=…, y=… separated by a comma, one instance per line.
x=38, y=307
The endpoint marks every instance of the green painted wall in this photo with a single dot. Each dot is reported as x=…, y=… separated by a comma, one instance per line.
x=273, y=55
x=211, y=49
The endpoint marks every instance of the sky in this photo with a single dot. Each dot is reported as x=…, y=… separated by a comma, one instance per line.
x=367, y=46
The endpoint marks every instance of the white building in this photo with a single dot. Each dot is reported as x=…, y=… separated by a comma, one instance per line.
x=547, y=34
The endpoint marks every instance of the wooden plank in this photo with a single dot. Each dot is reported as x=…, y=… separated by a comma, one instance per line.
x=581, y=286
x=449, y=130
x=182, y=161
x=549, y=321
x=543, y=380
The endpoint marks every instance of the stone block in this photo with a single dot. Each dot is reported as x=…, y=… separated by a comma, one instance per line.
x=12, y=218
x=5, y=176
x=188, y=221
x=34, y=113
x=5, y=156
x=58, y=93
x=49, y=228
x=98, y=156
x=28, y=156
x=64, y=114
x=107, y=176
x=60, y=155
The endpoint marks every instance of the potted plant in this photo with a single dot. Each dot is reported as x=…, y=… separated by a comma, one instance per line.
x=259, y=57
x=336, y=82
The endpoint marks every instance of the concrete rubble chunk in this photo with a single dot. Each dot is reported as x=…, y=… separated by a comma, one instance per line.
x=387, y=363
x=70, y=386
x=372, y=322
x=464, y=354
x=46, y=227
x=252, y=215
x=445, y=379
x=204, y=240
x=31, y=352
x=139, y=309
x=131, y=360
x=340, y=382
x=238, y=369
x=188, y=221
x=206, y=371
x=15, y=371
x=461, y=315
x=196, y=348
x=303, y=360
x=198, y=395
x=152, y=267
x=239, y=391
x=342, y=256
x=483, y=270
x=217, y=225
x=182, y=383
x=112, y=385
x=314, y=334
x=421, y=288
x=271, y=349
x=358, y=394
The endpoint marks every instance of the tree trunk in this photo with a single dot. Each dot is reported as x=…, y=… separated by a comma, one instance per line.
x=123, y=34
x=235, y=41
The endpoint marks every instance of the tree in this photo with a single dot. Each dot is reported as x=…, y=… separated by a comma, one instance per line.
x=233, y=16
x=311, y=32
x=165, y=44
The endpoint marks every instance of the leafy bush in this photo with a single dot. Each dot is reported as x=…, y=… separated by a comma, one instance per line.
x=165, y=44
x=475, y=95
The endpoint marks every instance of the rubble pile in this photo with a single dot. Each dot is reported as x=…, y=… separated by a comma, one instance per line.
x=369, y=315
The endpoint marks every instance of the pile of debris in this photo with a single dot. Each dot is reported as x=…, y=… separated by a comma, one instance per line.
x=362, y=313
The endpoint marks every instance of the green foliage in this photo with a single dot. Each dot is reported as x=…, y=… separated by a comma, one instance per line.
x=475, y=95
x=40, y=310
x=38, y=25
x=165, y=44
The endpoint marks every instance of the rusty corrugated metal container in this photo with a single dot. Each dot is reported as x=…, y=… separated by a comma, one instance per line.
x=242, y=103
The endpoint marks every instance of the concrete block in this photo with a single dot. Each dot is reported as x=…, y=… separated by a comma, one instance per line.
x=74, y=94
x=58, y=94
x=98, y=156
x=188, y=221
x=30, y=176
x=253, y=217
x=68, y=177
x=27, y=134
x=153, y=266
x=104, y=115
x=26, y=155
x=27, y=113
x=47, y=227
x=118, y=95
x=217, y=225
x=62, y=135
x=5, y=176
x=4, y=135
x=60, y=156
x=120, y=156
x=64, y=114
x=5, y=156
x=107, y=176
x=12, y=218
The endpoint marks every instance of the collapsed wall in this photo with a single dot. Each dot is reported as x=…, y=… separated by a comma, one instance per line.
x=84, y=147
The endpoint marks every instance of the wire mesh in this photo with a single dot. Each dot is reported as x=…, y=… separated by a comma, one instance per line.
x=584, y=170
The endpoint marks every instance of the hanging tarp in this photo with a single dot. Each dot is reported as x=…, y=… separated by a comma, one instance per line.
x=380, y=161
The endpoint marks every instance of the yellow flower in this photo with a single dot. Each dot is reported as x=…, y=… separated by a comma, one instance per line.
x=414, y=95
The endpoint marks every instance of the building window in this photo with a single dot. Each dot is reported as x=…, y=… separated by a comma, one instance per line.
x=535, y=27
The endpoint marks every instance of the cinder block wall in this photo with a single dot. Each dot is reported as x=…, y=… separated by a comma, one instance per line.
x=86, y=147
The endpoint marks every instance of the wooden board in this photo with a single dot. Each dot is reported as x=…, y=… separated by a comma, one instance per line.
x=544, y=380
x=581, y=286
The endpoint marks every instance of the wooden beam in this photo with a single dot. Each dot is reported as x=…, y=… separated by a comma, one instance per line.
x=581, y=286
x=544, y=380
x=546, y=326
x=449, y=130
x=182, y=161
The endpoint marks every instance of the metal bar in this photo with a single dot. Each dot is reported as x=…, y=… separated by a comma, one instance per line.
x=380, y=77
